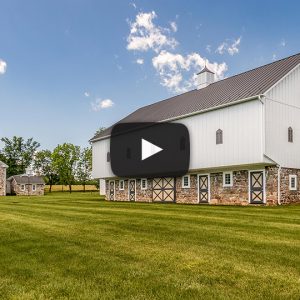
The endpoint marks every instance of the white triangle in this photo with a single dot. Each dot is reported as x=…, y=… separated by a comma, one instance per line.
x=149, y=149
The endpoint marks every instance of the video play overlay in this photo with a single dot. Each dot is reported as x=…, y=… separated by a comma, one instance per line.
x=150, y=150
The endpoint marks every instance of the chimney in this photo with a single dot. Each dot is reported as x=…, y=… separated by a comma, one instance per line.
x=205, y=78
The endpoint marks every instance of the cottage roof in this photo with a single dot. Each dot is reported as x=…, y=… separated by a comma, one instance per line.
x=3, y=165
x=221, y=93
x=27, y=179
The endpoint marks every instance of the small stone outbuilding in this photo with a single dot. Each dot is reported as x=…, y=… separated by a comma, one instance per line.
x=26, y=185
x=3, y=168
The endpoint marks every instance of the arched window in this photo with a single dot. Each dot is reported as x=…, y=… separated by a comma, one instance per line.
x=290, y=135
x=219, y=137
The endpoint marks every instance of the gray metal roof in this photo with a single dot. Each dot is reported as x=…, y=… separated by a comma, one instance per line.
x=25, y=179
x=224, y=92
x=205, y=69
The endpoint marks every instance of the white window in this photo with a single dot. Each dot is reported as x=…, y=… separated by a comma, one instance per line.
x=22, y=187
x=227, y=179
x=121, y=185
x=33, y=187
x=293, y=182
x=186, y=181
x=144, y=183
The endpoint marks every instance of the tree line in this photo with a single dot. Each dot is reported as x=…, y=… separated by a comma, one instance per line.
x=67, y=164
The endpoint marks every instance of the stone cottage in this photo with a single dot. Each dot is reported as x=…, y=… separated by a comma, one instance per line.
x=26, y=185
x=3, y=167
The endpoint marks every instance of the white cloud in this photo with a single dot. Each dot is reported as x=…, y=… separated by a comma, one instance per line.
x=86, y=94
x=171, y=68
x=274, y=56
x=173, y=26
x=231, y=47
x=133, y=5
x=99, y=104
x=145, y=35
x=139, y=61
x=3, y=67
x=208, y=48
x=283, y=43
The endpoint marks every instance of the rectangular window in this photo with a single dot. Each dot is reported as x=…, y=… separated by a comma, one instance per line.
x=293, y=182
x=121, y=185
x=108, y=156
x=143, y=183
x=22, y=187
x=186, y=181
x=227, y=179
x=33, y=187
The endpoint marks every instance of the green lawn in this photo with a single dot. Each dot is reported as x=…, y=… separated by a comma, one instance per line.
x=65, y=246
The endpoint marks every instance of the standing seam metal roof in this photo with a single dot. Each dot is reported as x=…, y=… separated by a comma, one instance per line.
x=227, y=91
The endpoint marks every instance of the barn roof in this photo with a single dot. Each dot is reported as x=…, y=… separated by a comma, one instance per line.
x=218, y=94
x=27, y=179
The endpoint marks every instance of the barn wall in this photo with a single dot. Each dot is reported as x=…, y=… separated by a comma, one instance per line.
x=242, y=139
x=282, y=110
x=2, y=181
x=242, y=136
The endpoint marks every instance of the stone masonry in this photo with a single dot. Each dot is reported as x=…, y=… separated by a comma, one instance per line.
x=237, y=194
x=2, y=180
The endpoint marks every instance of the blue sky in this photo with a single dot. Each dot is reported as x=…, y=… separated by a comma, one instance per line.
x=70, y=67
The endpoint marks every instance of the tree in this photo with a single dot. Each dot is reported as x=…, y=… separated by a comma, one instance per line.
x=43, y=164
x=65, y=158
x=18, y=154
x=99, y=130
x=84, y=166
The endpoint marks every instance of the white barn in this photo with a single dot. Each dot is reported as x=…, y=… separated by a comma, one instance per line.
x=245, y=141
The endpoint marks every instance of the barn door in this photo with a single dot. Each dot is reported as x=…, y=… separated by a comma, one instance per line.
x=164, y=189
x=131, y=189
x=203, y=188
x=112, y=190
x=256, y=187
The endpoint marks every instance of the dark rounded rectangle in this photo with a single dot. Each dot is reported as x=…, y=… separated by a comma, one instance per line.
x=165, y=149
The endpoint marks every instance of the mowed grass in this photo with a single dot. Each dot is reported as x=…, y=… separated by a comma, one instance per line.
x=63, y=246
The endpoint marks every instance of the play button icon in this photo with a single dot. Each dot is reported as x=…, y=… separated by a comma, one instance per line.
x=149, y=150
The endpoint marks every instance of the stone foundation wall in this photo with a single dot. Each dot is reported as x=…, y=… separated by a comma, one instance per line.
x=2, y=181
x=144, y=195
x=271, y=185
x=187, y=195
x=237, y=194
x=286, y=195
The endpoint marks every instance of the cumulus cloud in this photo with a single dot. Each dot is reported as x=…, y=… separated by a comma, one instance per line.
x=99, y=104
x=230, y=47
x=173, y=26
x=176, y=71
x=86, y=94
x=139, y=61
x=145, y=35
x=3, y=67
x=172, y=68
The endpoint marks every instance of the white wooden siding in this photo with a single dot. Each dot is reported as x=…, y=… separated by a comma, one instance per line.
x=242, y=136
x=242, y=139
x=101, y=168
x=282, y=110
